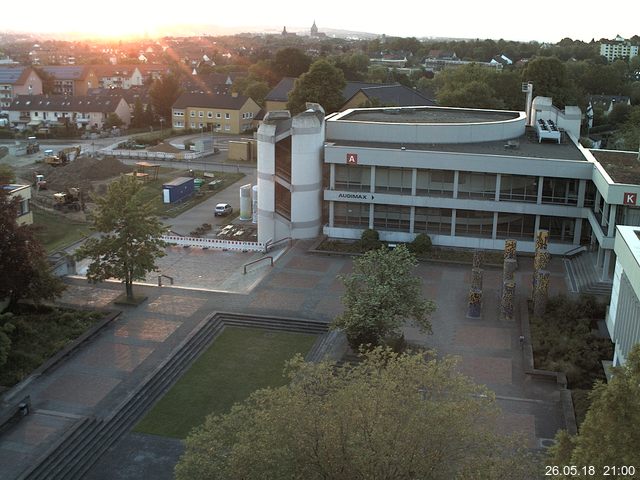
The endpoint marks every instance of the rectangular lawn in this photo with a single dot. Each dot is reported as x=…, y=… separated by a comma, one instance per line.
x=239, y=361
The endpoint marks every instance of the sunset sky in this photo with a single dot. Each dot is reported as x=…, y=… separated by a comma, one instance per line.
x=510, y=20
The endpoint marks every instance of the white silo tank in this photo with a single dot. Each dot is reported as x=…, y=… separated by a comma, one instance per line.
x=254, y=204
x=245, y=202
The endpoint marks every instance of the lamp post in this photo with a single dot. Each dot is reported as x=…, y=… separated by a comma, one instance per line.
x=161, y=126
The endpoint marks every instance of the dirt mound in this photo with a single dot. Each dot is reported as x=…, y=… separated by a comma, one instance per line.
x=83, y=171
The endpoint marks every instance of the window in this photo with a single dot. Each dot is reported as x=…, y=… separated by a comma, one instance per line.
x=178, y=124
x=24, y=207
x=201, y=125
x=519, y=188
x=283, y=201
x=515, y=225
x=562, y=191
x=209, y=114
x=350, y=177
x=346, y=214
x=192, y=113
x=227, y=128
x=218, y=115
x=436, y=183
x=396, y=180
x=474, y=223
x=391, y=217
x=433, y=220
x=227, y=116
x=560, y=228
x=193, y=125
x=200, y=114
x=477, y=185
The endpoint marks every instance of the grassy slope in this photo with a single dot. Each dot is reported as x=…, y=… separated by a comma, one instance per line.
x=57, y=231
x=239, y=362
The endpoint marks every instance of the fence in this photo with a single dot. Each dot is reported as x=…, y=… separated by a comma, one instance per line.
x=214, y=243
x=144, y=154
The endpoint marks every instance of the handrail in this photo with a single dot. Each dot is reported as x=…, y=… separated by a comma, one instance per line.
x=165, y=276
x=244, y=270
x=271, y=243
x=574, y=251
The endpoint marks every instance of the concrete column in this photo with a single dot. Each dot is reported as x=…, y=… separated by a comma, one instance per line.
x=412, y=218
x=372, y=187
x=331, y=213
x=498, y=181
x=474, y=309
x=596, y=204
x=453, y=222
x=577, y=232
x=536, y=227
x=456, y=178
x=414, y=183
x=332, y=176
x=600, y=256
x=606, y=264
x=508, y=295
x=541, y=293
x=582, y=191
x=476, y=278
x=478, y=258
x=540, y=185
x=371, y=215
x=494, y=232
x=605, y=214
x=612, y=220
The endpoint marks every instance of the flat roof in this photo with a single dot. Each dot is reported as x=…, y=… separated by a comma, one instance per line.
x=524, y=146
x=428, y=115
x=622, y=167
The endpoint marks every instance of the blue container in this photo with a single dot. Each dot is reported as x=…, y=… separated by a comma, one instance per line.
x=177, y=190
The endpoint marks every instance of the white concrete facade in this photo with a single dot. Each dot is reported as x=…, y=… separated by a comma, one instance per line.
x=623, y=315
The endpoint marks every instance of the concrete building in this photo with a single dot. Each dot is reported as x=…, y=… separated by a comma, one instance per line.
x=619, y=48
x=23, y=192
x=71, y=79
x=623, y=315
x=16, y=81
x=466, y=177
x=223, y=113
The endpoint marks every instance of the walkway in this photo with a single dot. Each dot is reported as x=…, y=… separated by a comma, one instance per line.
x=103, y=372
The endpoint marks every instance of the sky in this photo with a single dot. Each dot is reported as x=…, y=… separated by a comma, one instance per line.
x=548, y=21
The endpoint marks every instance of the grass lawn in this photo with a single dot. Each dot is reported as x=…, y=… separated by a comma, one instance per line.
x=57, y=231
x=152, y=192
x=239, y=362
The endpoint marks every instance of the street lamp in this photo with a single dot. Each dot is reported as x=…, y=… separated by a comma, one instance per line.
x=161, y=126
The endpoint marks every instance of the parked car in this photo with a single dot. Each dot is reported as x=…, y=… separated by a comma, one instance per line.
x=223, y=209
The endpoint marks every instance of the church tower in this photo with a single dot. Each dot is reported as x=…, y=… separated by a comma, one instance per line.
x=314, y=29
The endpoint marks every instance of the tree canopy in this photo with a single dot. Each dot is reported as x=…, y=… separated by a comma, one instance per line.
x=130, y=241
x=24, y=270
x=164, y=93
x=610, y=433
x=392, y=416
x=322, y=84
x=381, y=295
x=291, y=62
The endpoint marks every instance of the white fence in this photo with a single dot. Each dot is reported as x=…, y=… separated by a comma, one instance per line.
x=144, y=154
x=214, y=243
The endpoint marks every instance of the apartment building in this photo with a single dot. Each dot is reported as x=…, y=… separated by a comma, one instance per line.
x=619, y=48
x=71, y=79
x=16, y=81
x=23, y=193
x=231, y=114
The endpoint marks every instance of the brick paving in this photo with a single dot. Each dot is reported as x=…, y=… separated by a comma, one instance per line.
x=106, y=369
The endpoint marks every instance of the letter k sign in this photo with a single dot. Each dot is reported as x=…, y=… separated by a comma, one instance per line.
x=630, y=198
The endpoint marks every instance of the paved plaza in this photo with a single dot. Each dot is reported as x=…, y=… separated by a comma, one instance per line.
x=93, y=381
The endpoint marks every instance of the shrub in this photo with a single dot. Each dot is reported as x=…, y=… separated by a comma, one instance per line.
x=370, y=240
x=421, y=244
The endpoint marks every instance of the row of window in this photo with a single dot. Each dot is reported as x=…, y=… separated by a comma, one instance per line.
x=441, y=183
x=218, y=126
x=227, y=116
x=437, y=221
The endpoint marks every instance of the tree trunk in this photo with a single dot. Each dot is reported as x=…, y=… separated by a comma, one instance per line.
x=128, y=282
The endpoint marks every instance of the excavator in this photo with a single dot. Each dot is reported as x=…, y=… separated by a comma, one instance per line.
x=67, y=201
x=63, y=156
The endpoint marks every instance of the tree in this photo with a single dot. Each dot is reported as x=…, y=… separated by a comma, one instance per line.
x=323, y=84
x=113, y=120
x=610, y=433
x=130, y=240
x=381, y=295
x=48, y=81
x=291, y=62
x=549, y=77
x=138, y=115
x=392, y=416
x=24, y=270
x=164, y=93
x=7, y=175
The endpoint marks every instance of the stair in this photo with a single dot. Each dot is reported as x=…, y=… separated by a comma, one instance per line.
x=74, y=455
x=329, y=345
x=583, y=276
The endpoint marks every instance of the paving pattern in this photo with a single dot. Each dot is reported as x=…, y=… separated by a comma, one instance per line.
x=96, y=378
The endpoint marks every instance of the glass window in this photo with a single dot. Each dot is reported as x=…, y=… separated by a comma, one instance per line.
x=350, y=177
x=433, y=221
x=218, y=115
x=560, y=228
x=391, y=217
x=227, y=116
x=192, y=113
x=209, y=114
x=346, y=214
x=393, y=180
x=200, y=114
x=562, y=191
x=474, y=223
x=436, y=183
x=519, y=188
x=477, y=185
x=516, y=225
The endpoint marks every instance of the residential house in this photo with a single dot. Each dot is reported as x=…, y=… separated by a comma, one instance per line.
x=45, y=111
x=502, y=60
x=232, y=114
x=619, y=48
x=71, y=79
x=16, y=81
x=390, y=61
x=395, y=95
x=23, y=192
x=607, y=102
x=119, y=76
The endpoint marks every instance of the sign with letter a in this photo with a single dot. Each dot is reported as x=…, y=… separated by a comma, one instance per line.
x=630, y=198
x=352, y=158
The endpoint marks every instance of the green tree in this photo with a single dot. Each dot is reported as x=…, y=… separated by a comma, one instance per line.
x=113, y=120
x=629, y=134
x=130, y=240
x=291, y=62
x=392, y=416
x=24, y=270
x=322, y=84
x=610, y=433
x=381, y=295
x=138, y=116
x=550, y=79
x=164, y=93
x=48, y=81
x=7, y=175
